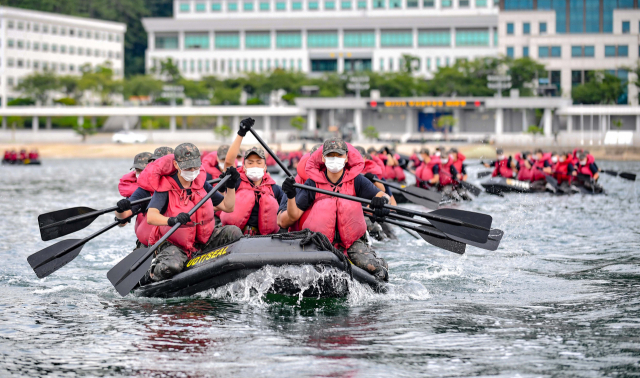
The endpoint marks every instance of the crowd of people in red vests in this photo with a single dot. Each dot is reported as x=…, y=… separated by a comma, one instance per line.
x=23, y=157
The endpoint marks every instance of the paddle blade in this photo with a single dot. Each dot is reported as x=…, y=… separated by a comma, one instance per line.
x=421, y=201
x=628, y=176
x=472, y=188
x=471, y=232
x=492, y=243
x=611, y=173
x=446, y=244
x=484, y=174
x=49, y=231
x=429, y=195
x=50, y=252
x=122, y=278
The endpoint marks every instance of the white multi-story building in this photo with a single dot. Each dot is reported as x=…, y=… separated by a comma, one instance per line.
x=573, y=38
x=36, y=41
x=229, y=37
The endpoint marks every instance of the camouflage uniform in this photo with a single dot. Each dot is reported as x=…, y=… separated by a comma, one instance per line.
x=364, y=257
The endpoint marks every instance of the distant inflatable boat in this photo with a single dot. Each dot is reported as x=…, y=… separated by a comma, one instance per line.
x=21, y=162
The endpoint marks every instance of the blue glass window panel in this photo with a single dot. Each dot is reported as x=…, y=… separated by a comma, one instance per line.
x=395, y=4
x=329, y=5
x=495, y=37
x=478, y=37
x=556, y=51
x=561, y=16
x=196, y=41
x=324, y=65
x=626, y=27
x=607, y=16
x=248, y=7
x=296, y=5
x=518, y=4
x=510, y=28
x=359, y=39
x=322, y=39
x=362, y=5
x=625, y=4
x=166, y=43
x=592, y=22
x=313, y=5
x=447, y=3
x=184, y=7
x=609, y=51
x=264, y=6
x=576, y=51
x=544, y=5
x=396, y=38
x=525, y=52
x=576, y=16
x=623, y=50
x=232, y=7
x=434, y=38
x=543, y=51
x=378, y=4
x=543, y=27
x=345, y=4
x=510, y=52
x=481, y=3
x=227, y=41
x=589, y=51
x=412, y=3
x=526, y=28
x=289, y=40
x=623, y=75
x=428, y=3
x=281, y=5
x=257, y=40
x=201, y=7
x=216, y=7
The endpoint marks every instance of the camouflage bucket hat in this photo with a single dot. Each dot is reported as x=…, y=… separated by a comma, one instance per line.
x=160, y=152
x=141, y=160
x=188, y=156
x=334, y=145
x=255, y=150
x=222, y=151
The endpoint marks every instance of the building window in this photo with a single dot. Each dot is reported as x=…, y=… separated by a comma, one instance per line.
x=80, y=50
x=610, y=51
x=11, y=43
x=526, y=28
x=510, y=51
x=10, y=62
x=227, y=40
x=556, y=52
x=589, y=51
x=184, y=7
x=576, y=51
x=330, y=5
x=378, y=4
x=510, y=28
x=576, y=17
x=264, y=6
x=477, y=37
x=362, y=4
x=447, y=3
x=80, y=33
x=543, y=51
x=518, y=4
x=345, y=4
x=395, y=4
x=196, y=41
x=247, y=7
x=396, y=38
x=626, y=27
x=359, y=38
x=216, y=7
x=10, y=24
x=232, y=7
x=481, y=3
x=412, y=3
x=434, y=37
x=296, y=5
x=257, y=40
x=463, y=3
x=543, y=28
x=281, y=5
x=54, y=47
x=36, y=27
x=525, y=51
x=288, y=40
x=201, y=7
x=322, y=39
x=36, y=46
x=63, y=49
x=163, y=42
x=623, y=50
x=324, y=65
x=576, y=78
x=428, y=64
x=428, y=3
x=313, y=5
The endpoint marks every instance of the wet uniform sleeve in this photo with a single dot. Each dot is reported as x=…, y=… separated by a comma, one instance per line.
x=365, y=188
x=435, y=169
x=464, y=169
x=570, y=168
x=453, y=171
x=387, y=189
x=593, y=168
x=277, y=192
x=159, y=201
x=283, y=204
x=546, y=164
x=138, y=195
x=216, y=198
x=305, y=198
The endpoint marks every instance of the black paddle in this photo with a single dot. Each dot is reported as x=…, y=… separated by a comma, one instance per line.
x=470, y=187
x=54, y=257
x=464, y=224
x=625, y=175
x=67, y=221
x=424, y=197
x=130, y=270
x=484, y=174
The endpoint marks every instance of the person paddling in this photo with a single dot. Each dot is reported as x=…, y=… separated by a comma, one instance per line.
x=178, y=184
x=428, y=172
x=337, y=167
x=503, y=166
x=587, y=168
x=213, y=163
x=160, y=152
x=257, y=194
x=129, y=182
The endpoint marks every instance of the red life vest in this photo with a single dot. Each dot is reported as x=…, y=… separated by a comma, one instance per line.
x=128, y=184
x=584, y=169
x=458, y=163
x=424, y=173
x=540, y=162
x=561, y=172
x=210, y=165
x=302, y=177
x=525, y=174
x=380, y=163
x=446, y=178
x=23, y=155
x=246, y=197
x=399, y=172
x=389, y=173
x=370, y=166
x=157, y=178
x=502, y=169
x=414, y=158
x=328, y=211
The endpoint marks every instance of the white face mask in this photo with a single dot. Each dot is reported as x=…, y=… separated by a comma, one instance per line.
x=437, y=153
x=500, y=157
x=562, y=160
x=137, y=175
x=190, y=175
x=554, y=159
x=583, y=162
x=334, y=164
x=444, y=160
x=254, y=174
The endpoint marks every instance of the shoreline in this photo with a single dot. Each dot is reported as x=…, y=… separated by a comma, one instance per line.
x=472, y=151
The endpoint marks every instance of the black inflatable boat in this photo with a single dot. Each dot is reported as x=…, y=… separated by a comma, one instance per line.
x=497, y=185
x=236, y=261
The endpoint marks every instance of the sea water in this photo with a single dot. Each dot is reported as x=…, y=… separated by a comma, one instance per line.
x=558, y=298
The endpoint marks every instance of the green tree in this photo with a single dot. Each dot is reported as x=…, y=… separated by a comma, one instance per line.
x=222, y=132
x=410, y=63
x=142, y=85
x=523, y=72
x=39, y=85
x=169, y=71
x=370, y=132
x=601, y=88
x=298, y=123
x=85, y=129
x=100, y=81
x=445, y=122
x=70, y=86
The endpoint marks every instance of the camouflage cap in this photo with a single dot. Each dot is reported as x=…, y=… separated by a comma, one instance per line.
x=361, y=150
x=334, y=145
x=425, y=151
x=188, y=156
x=371, y=149
x=141, y=160
x=315, y=148
x=255, y=150
x=222, y=151
x=160, y=152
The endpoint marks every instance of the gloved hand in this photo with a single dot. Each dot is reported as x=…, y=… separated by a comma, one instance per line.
x=371, y=177
x=122, y=221
x=235, y=176
x=183, y=218
x=123, y=205
x=245, y=126
x=377, y=204
x=288, y=188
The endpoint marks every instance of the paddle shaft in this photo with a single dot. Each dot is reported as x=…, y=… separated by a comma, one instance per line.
x=431, y=231
x=270, y=151
x=96, y=213
x=407, y=227
x=398, y=187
